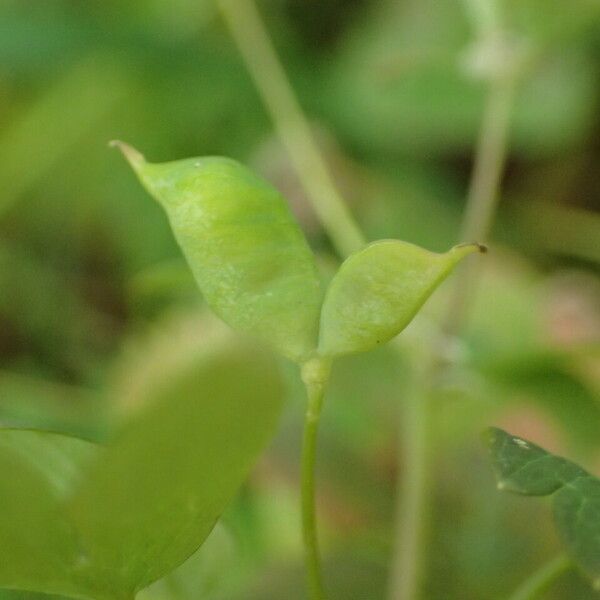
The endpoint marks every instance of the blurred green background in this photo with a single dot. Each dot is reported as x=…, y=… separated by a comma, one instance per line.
x=96, y=302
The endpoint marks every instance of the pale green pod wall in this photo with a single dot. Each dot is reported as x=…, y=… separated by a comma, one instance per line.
x=248, y=255
x=377, y=292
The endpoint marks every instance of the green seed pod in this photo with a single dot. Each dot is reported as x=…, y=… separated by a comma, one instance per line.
x=248, y=255
x=378, y=290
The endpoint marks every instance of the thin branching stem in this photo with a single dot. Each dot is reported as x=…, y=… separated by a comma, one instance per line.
x=542, y=579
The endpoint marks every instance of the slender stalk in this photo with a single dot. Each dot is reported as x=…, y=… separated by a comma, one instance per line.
x=542, y=579
x=412, y=511
x=413, y=504
x=256, y=48
x=309, y=526
x=315, y=374
x=483, y=196
x=490, y=160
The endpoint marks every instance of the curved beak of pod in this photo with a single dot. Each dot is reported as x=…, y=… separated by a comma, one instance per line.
x=136, y=159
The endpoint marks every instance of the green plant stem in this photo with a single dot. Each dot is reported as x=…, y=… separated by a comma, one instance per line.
x=262, y=62
x=315, y=375
x=309, y=525
x=413, y=501
x=412, y=511
x=483, y=196
x=543, y=578
x=293, y=129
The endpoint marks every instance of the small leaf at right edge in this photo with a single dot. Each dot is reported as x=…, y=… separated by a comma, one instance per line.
x=576, y=509
x=161, y=485
x=524, y=468
x=378, y=290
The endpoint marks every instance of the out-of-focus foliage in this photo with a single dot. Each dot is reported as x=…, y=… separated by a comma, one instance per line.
x=106, y=522
x=97, y=307
x=524, y=468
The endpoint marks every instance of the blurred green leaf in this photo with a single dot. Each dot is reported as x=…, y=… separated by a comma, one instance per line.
x=398, y=84
x=34, y=402
x=171, y=348
x=168, y=475
x=524, y=468
x=112, y=523
x=550, y=22
x=38, y=545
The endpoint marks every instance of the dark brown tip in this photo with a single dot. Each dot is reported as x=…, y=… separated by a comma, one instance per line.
x=480, y=247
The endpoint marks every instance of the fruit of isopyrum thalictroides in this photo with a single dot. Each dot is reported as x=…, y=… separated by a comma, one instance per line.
x=378, y=290
x=248, y=255
x=258, y=274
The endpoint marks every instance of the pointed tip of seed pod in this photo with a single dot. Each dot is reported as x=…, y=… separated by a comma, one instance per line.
x=473, y=247
x=135, y=158
x=462, y=250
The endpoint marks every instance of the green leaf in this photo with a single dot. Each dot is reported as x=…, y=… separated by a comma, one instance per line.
x=378, y=290
x=38, y=546
x=524, y=468
x=155, y=495
x=81, y=521
x=247, y=253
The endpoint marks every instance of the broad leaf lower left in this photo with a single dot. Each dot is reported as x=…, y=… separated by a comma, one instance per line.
x=103, y=523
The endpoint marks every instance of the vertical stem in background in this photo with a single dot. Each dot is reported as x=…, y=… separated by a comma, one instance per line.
x=483, y=196
x=256, y=48
x=541, y=580
x=412, y=512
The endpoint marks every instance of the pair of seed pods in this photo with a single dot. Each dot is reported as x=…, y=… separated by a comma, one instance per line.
x=257, y=272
